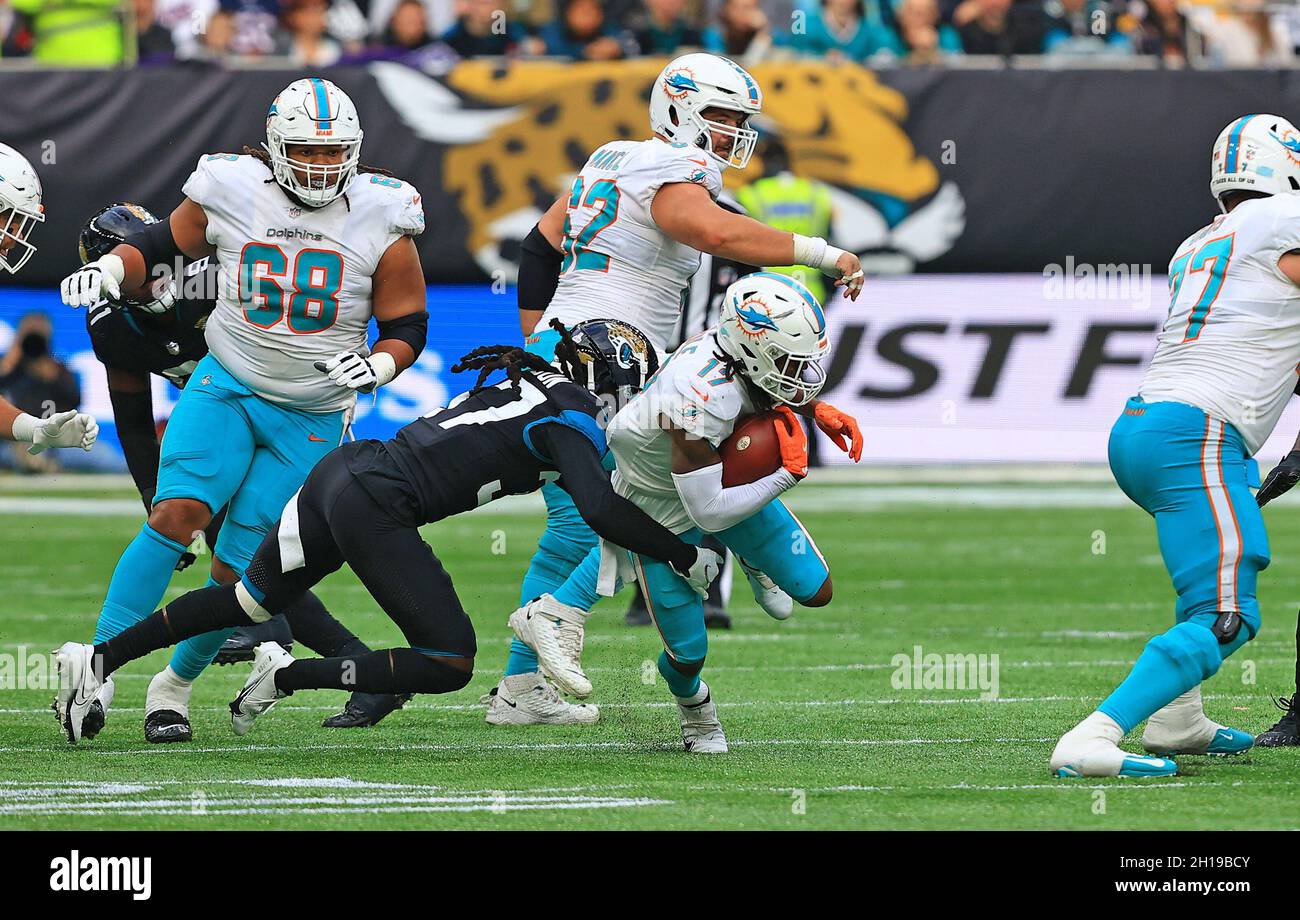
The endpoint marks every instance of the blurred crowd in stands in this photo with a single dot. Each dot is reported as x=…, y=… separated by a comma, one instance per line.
x=433, y=34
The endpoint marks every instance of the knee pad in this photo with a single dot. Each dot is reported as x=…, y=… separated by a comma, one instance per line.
x=1192, y=648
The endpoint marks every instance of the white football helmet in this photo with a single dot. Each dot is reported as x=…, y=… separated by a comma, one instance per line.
x=695, y=82
x=1256, y=153
x=313, y=111
x=20, y=208
x=774, y=329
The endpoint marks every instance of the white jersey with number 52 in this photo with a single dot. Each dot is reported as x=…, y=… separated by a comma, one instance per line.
x=617, y=263
x=295, y=281
x=1231, y=342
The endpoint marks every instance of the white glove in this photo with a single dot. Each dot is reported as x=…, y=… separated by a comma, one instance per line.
x=93, y=282
x=66, y=429
x=706, y=567
x=358, y=372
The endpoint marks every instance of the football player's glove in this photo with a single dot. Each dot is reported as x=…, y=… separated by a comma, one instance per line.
x=841, y=428
x=1280, y=479
x=700, y=575
x=64, y=429
x=793, y=442
x=96, y=281
x=358, y=372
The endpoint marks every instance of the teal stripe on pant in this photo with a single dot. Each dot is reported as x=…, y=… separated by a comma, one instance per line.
x=1192, y=473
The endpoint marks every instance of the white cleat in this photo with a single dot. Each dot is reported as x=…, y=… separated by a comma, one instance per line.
x=259, y=693
x=79, y=687
x=1183, y=728
x=775, y=602
x=1091, y=748
x=529, y=699
x=701, y=730
x=554, y=631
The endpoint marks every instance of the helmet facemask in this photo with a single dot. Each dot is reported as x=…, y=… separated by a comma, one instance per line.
x=743, y=138
x=15, y=227
x=325, y=181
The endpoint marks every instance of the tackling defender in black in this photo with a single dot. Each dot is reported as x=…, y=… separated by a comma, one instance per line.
x=165, y=336
x=363, y=505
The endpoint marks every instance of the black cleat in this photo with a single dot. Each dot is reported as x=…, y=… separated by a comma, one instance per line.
x=716, y=618
x=366, y=709
x=1286, y=733
x=166, y=726
x=239, y=647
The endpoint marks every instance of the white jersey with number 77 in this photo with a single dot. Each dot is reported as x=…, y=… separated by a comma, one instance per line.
x=1231, y=342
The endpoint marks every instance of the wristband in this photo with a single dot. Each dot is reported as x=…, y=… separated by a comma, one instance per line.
x=385, y=367
x=24, y=428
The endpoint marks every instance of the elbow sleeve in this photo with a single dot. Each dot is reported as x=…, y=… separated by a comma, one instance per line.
x=713, y=508
x=413, y=329
x=539, y=271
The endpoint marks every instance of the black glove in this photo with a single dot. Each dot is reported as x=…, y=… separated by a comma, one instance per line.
x=1279, y=479
x=187, y=559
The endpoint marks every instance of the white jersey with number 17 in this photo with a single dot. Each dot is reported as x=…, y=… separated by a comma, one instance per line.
x=1231, y=342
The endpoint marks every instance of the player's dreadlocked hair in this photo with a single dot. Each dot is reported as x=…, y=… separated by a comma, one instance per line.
x=509, y=358
x=512, y=359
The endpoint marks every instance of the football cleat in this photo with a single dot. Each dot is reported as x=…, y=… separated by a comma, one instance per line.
x=259, y=693
x=366, y=709
x=1091, y=748
x=239, y=647
x=166, y=726
x=554, y=631
x=701, y=730
x=96, y=716
x=775, y=602
x=530, y=699
x=1183, y=728
x=78, y=687
x=1286, y=732
x=167, y=708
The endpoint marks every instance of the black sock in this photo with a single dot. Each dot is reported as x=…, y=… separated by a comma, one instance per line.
x=317, y=629
x=193, y=614
x=394, y=670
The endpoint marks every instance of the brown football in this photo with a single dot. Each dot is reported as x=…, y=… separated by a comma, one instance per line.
x=752, y=451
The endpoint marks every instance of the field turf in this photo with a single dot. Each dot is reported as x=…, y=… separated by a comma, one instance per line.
x=822, y=734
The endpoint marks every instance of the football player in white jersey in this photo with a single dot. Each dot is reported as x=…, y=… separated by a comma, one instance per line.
x=1182, y=449
x=623, y=245
x=310, y=247
x=763, y=354
x=20, y=212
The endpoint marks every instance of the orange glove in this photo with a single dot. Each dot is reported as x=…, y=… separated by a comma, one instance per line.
x=794, y=443
x=835, y=425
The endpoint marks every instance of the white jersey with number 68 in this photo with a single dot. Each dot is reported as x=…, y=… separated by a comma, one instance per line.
x=1231, y=342
x=295, y=281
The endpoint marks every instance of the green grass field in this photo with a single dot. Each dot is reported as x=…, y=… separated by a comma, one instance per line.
x=821, y=737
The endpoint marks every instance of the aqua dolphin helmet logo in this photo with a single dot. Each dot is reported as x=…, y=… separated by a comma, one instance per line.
x=680, y=82
x=1288, y=141
x=754, y=321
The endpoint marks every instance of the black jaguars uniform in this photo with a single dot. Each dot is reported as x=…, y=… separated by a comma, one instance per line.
x=168, y=345
x=363, y=503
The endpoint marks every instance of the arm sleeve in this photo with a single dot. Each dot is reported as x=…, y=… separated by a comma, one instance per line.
x=539, y=272
x=610, y=515
x=133, y=416
x=714, y=508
